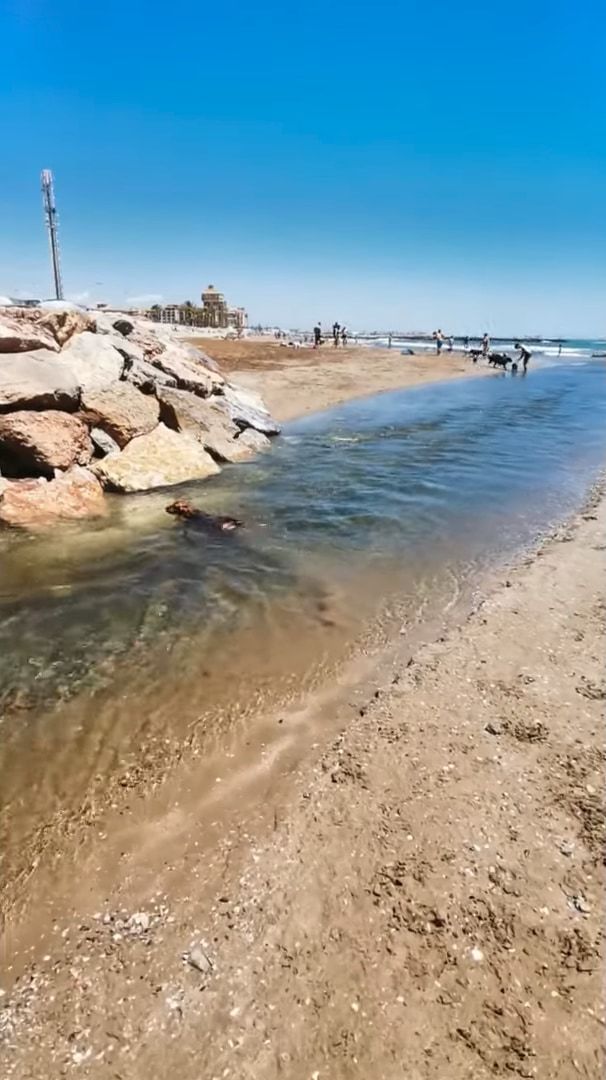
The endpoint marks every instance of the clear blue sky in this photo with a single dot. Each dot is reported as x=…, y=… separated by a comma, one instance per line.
x=386, y=164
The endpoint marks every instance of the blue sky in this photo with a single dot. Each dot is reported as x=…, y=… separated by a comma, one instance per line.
x=390, y=164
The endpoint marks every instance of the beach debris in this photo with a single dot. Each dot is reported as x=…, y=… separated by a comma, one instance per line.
x=198, y=959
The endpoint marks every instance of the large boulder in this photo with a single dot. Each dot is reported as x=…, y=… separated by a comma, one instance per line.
x=184, y=411
x=247, y=410
x=189, y=371
x=160, y=459
x=94, y=360
x=19, y=334
x=40, y=442
x=34, y=504
x=37, y=380
x=121, y=410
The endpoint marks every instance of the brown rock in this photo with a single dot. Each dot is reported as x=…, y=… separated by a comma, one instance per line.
x=64, y=324
x=159, y=459
x=40, y=442
x=183, y=411
x=121, y=410
x=20, y=333
x=183, y=364
x=145, y=377
x=35, y=504
x=37, y=380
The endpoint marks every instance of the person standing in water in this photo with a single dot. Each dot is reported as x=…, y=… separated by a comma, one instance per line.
x=439, y=336
x=524, y=356
x=486, y=345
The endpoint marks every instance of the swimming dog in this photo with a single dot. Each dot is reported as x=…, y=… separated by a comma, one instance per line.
x=183, y=508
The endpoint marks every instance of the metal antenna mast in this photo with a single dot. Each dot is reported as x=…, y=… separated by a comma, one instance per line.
x=50, y=213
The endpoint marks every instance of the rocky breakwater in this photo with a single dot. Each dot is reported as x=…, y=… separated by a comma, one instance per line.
x=92, y=403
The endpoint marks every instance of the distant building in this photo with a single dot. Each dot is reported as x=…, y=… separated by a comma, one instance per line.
x=215, y=312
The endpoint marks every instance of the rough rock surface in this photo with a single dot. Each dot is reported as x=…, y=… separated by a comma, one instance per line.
x=188, y=370
x=37, y=380
x=121, y=410
x=159, y=459
x=183, y=411
x=94, y=360
x=249, y=443
x=103, y=443
x=40, y=442
x=64, y=324
x=24, y=335
x=247, y=409
x=39, y=503
x=146, y=377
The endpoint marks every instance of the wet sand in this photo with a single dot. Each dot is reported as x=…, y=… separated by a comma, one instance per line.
x=294, y=382
x=420, y=895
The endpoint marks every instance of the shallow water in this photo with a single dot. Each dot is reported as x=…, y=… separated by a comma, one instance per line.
x=121, y=639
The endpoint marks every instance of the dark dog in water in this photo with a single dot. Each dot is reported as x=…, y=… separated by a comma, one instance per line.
x=182, y=508
x=498, y=359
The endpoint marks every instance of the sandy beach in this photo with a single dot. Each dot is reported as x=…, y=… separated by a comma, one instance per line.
x=294, y=382
x=421, y=895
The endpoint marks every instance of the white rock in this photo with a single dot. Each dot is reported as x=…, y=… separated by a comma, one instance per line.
x=94, y=360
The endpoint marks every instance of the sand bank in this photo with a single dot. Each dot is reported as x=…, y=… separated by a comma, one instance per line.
x=294, y=382
x=421, y=896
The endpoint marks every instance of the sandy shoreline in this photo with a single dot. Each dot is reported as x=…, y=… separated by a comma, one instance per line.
x=420, y=897
x=294, y=382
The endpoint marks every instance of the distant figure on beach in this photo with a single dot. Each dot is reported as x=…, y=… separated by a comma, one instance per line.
x=182, y=508
x=439, y=340
x=317, y=335
x=389, y=341
x=560, y=349
x=485, y=345
x=466, y=343
x=524, y=356
x=450, y=344
x=343, y=336
x=335, y=333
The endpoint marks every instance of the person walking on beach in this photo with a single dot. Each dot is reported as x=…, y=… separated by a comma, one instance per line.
x=317, y=335
x=439, y=339
x=450, y=344
x=466, y=343
x=335, y=333
x=485, y=345
x=524, y=356
x=344, y=336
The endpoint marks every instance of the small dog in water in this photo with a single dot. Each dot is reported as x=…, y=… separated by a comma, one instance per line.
x=183, y=508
